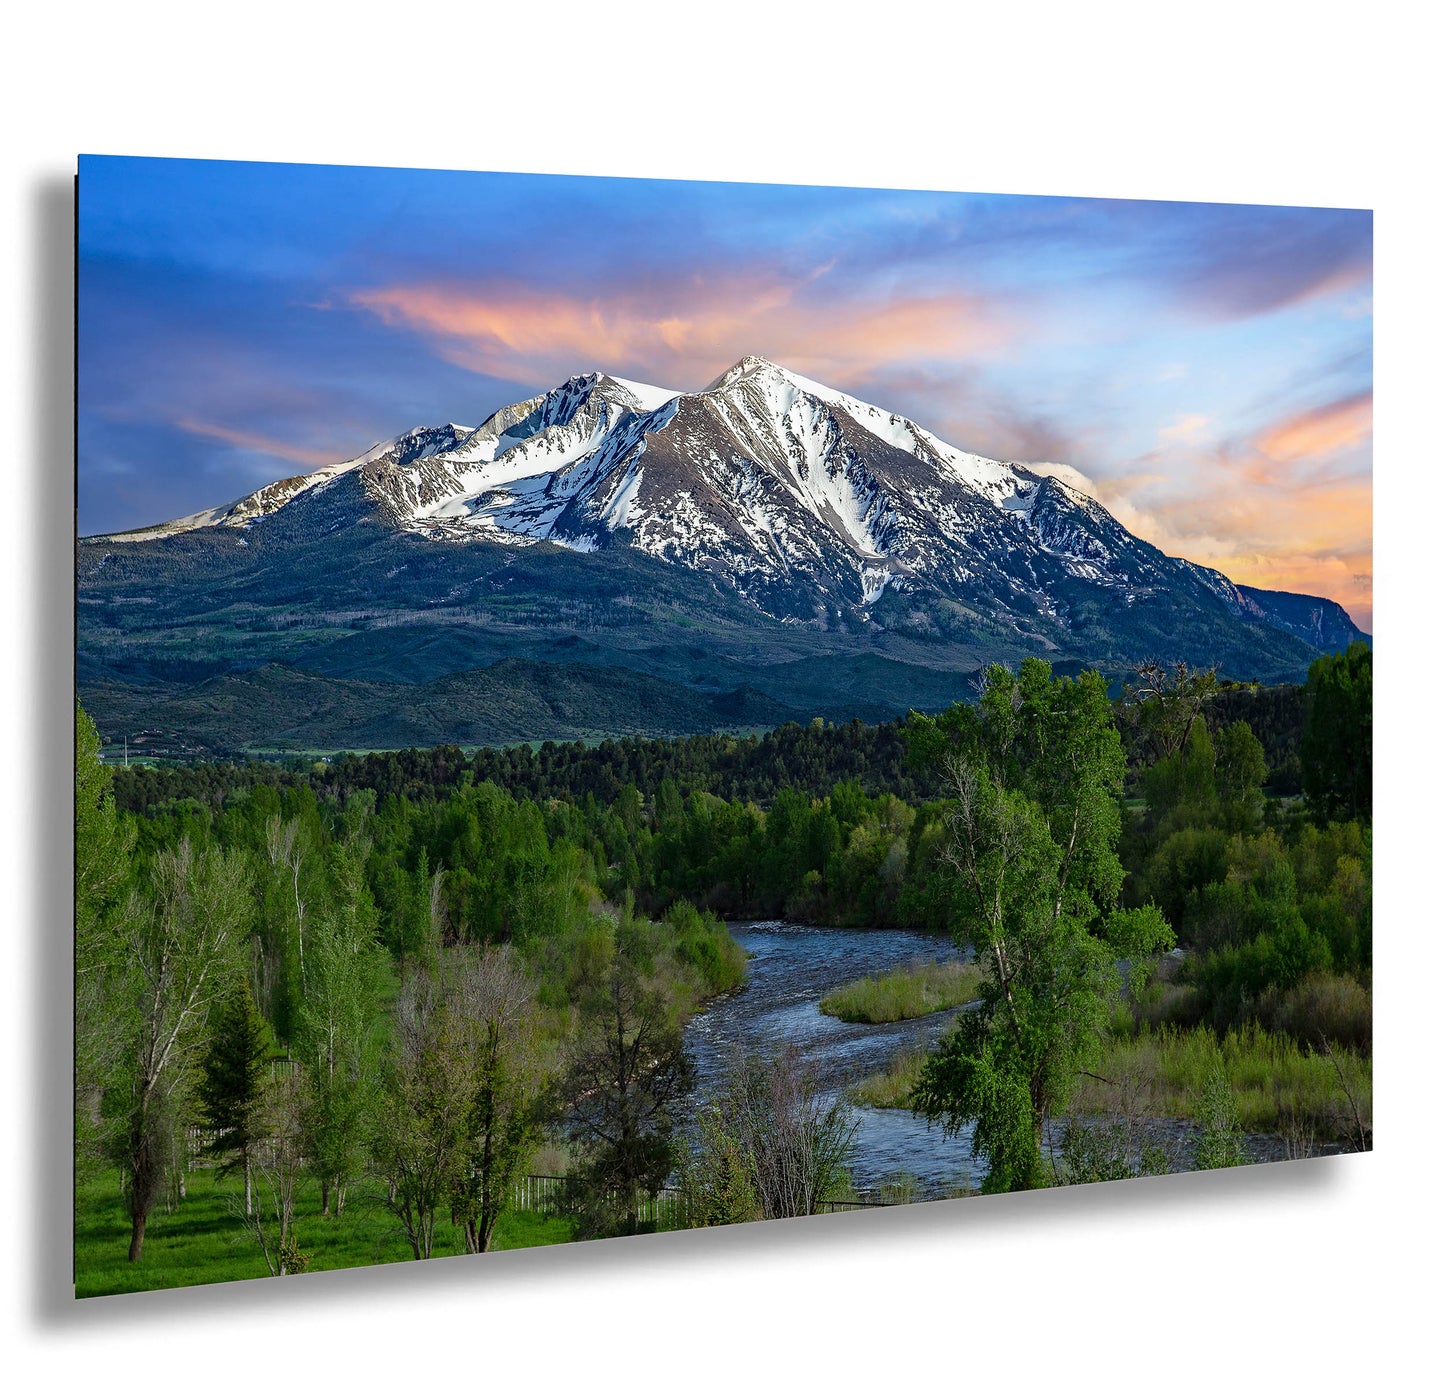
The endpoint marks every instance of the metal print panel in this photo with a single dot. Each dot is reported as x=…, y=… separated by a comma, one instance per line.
x=609, y=706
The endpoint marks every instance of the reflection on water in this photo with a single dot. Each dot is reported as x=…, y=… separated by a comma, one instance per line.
x=791, y=968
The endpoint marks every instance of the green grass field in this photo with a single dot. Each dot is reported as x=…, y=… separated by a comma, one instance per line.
x=204, y=1240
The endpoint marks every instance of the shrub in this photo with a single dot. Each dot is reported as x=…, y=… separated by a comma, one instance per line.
x=893, y=1086
x=1221, y=1142
x=772, y=1144
x=1096, y=1151
x=703, y=942
x=1322, y=1008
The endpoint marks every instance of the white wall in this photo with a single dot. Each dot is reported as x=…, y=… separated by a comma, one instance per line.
x=1315, y=1276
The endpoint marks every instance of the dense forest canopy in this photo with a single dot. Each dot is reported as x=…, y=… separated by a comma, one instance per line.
x=812, y=758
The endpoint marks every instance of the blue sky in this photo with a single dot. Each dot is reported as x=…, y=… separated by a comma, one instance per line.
x=1205, y=370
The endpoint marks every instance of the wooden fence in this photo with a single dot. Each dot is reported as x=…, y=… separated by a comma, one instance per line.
x=545, y=1194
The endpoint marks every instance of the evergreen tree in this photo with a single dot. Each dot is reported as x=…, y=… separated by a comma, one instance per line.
x=233, y=1078
x=1336, y=751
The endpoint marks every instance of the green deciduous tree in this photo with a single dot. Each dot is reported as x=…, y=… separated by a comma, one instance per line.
x=103, y=871
x=184, y=936
x=1161, y=704
x=465, y=1094
x=495, y=1036
x=1034, y=772
x=341, y=1029
x=1240, y=768
x=627, y=1076
x=280, y=1160
x=417, y=1129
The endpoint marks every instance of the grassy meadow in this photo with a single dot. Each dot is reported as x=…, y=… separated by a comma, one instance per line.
x=204, y=1238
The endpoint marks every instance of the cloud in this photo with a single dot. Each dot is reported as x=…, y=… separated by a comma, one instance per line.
x=1228, y=505
x=1319, y=432
x=1185, y=428
x=255, y=441
x=1233, y=508
x=1070, y=475
x=1234, y=261
x=684, y=331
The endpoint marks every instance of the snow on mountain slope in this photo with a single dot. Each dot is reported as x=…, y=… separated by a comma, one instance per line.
x=419, y=442
x=807, y=501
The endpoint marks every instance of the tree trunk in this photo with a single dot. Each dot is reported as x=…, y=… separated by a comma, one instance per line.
x=247, y=1159
x=137, y=1235
x=325, y=1198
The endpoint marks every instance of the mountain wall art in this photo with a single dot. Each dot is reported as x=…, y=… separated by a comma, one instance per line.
x=611, y=706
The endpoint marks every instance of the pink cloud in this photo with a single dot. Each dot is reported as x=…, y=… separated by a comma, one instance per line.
x=254, y=441
x=1319, y=432
x=1238, y=511
x=685, y=332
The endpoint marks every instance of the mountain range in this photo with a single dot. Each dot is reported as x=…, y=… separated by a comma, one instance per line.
x=612, y=556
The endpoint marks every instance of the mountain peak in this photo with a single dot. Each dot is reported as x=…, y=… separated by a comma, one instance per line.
x=746, y=367
x=816, y=507
x=647, y=396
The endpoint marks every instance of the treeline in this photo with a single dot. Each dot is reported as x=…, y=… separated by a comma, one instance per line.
x=811, y=759
x=818, y=823
x=749, y=768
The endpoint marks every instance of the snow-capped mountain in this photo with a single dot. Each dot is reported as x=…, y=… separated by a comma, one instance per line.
x=399, y=451
x=812, y=505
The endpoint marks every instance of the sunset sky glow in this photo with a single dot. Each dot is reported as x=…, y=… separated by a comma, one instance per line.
x=1204, y=370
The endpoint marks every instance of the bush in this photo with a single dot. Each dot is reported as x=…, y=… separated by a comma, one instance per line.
x=1275, y=1080
x=1322, y=1008
x=1115, y=1149
x=773, y=1144
x=1221, y=1142
x=703, y=942
x=892, y=1087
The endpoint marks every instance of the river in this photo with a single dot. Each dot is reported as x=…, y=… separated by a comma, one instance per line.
x=791, y=967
